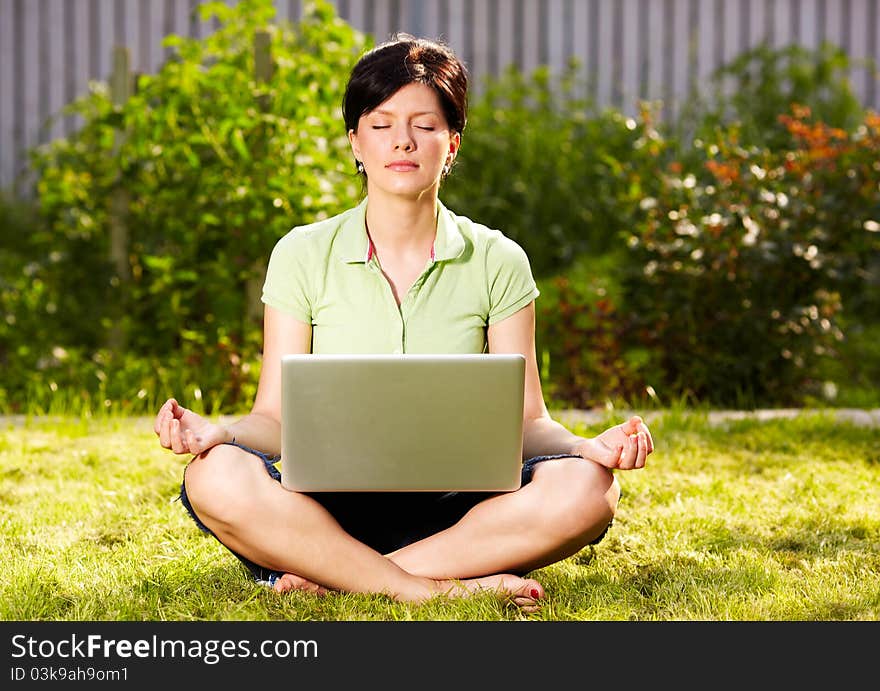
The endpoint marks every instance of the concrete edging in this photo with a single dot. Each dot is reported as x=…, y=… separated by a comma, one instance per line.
x=858, y=416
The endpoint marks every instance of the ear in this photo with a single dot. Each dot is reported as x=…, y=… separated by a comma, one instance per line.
x=454, y=143
x=355, y=149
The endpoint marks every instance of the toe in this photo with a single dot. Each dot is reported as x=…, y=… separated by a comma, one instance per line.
x=288, y=582
x=528, y=595
x=530, y=589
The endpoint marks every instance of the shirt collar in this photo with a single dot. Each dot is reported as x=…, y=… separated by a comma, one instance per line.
x=354, y=246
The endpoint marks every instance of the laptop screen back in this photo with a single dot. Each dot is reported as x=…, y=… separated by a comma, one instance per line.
x=402, y=422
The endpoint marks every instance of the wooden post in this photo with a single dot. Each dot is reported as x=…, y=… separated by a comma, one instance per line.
x=263, y=66
x=120, y=92
x=264, y=69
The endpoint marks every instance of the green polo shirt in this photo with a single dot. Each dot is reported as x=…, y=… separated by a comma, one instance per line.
x=324, y=274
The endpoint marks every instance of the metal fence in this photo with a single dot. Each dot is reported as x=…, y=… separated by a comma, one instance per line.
x=631, y=49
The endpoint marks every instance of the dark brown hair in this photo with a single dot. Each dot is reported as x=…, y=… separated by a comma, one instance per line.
x=388, y=67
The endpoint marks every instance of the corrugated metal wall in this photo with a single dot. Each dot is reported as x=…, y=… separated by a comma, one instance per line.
x=633, y=49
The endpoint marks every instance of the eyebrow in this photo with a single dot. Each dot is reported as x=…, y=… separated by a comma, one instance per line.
x=379, y=111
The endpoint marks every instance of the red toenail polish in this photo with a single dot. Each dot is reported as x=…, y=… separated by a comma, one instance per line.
x=534, y=593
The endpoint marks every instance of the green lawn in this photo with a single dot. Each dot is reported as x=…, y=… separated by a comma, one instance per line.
x=745, y=520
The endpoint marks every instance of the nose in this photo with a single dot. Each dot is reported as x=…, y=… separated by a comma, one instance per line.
x=402, y=139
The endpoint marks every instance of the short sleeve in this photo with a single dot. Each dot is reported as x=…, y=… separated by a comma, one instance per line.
x=286, y=285
x=511, y=284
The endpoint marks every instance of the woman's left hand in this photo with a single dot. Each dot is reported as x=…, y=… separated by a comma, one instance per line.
x=623, y=447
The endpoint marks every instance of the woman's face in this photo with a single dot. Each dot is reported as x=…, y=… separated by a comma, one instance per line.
x=405, y=142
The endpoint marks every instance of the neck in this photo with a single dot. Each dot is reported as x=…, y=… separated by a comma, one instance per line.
x=400, y=224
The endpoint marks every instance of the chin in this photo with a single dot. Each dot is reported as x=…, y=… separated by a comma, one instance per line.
x=411, y=188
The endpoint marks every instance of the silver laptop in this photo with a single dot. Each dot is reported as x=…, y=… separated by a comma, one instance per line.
x=402, y=422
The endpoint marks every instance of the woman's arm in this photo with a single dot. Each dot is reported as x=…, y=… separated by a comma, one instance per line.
x=541, y=433
x=623, y=446
x=261, y=428
x=186, y=432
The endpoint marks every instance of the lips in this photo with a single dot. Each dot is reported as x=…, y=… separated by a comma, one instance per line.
x=402, y=166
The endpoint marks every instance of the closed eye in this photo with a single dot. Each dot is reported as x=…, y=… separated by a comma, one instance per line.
x=381, y=127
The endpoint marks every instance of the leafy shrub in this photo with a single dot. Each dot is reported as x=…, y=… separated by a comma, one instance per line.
x=206, y=166
x=853, y=379
x=753, y=89
x=728, y=271
x=837, y=180
x=26, y=306
x=550, y=170
x=95, y=382
x=705, y=310
x=741, y=269
x=582, y=332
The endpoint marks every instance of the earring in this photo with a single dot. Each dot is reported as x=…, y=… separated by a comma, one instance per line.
x=360, y=167
x=447, y=168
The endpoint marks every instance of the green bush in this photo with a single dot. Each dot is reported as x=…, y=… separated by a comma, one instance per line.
x=725, y=270
x=853, y=379
x=706, y=310
x=753, y=89
x=206, y=166
x=739, y=272
x=553, y=172
x=26, y=307
x=582, y=337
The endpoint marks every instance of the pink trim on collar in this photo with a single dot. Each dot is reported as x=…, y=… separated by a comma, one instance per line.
x=372, y=250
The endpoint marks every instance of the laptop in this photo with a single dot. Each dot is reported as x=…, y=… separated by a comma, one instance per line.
x=439, y=423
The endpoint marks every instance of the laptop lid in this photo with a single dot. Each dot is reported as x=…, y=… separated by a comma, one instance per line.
x=402, y=422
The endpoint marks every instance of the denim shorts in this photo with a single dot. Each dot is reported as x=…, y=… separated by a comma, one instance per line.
x=385, y=521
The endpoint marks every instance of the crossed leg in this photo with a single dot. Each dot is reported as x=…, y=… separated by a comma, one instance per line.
x=567, y=504
x=296, y=535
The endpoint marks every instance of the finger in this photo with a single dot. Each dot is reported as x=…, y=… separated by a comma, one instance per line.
x=630, y=452
x=621, y=456
x=160, y=416
x=165, y=430
x=177, y=443
x=631, y=426
x=157, y=422
x=196, y=443
x=643, y=428
x=177, y=410
x=642, y=453
x=612, y=460
x=634, y=451
x=193, y=443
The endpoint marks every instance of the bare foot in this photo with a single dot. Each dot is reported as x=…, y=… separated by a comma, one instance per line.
x=525, y=593
x=290, y=581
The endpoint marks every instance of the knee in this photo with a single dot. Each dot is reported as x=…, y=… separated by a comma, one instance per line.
x=583, y=500
x=215, y=482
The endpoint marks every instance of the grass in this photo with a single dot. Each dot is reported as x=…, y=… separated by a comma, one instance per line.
x=746, y=520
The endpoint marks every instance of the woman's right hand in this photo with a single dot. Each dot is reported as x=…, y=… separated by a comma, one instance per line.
x=184, y=431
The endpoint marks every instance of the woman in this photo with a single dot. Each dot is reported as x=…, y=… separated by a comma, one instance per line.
x=400, y=273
